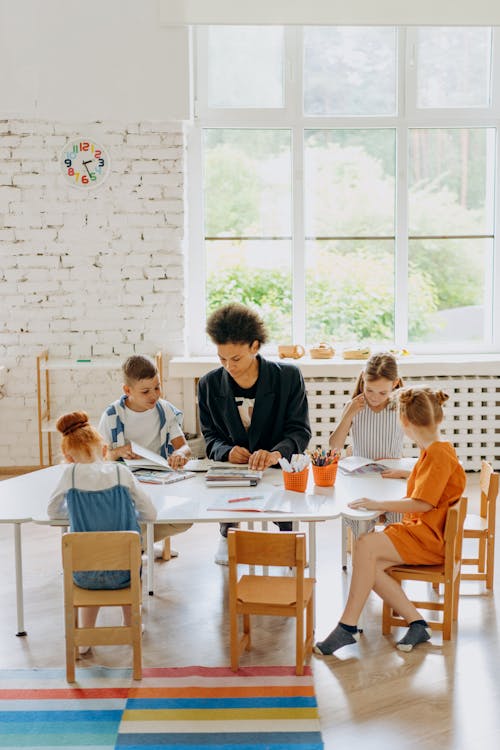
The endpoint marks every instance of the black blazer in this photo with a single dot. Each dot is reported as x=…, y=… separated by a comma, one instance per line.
x=280, y=418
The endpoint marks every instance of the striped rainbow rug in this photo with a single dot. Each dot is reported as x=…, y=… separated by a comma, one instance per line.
x=191, y=707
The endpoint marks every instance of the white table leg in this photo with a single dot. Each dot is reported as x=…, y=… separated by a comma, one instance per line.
x=344, y=532
x=19, y=580
x=312, y=562
x=151, y=557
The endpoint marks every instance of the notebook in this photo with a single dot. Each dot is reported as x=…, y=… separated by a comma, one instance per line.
x=255, y=504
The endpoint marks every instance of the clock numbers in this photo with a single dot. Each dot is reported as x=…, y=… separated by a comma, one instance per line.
x=84, y=163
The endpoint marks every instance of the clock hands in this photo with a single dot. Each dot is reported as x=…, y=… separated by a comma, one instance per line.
x=89, y=161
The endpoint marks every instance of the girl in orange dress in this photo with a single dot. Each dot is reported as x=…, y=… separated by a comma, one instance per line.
x=436, y=482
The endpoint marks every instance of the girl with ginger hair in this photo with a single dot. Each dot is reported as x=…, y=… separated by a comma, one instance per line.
x=436, y=482
x=96, y=495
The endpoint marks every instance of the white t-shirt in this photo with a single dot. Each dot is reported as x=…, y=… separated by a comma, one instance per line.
x=143, y=427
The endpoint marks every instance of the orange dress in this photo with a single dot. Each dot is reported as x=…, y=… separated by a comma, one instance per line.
x=438, y=479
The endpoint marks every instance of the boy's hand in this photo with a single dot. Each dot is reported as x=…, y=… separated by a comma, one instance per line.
x=123, y=451
x=177, y=460
x=239, y=455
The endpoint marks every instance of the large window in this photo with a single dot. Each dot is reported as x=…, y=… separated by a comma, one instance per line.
x=343, y=180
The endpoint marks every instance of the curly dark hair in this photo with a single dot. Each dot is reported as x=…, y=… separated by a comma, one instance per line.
x=236, y=324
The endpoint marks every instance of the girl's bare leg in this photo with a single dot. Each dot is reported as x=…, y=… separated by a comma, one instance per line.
x=127, y=615
x=371, y=550
x=88, y=617
x=373, y=554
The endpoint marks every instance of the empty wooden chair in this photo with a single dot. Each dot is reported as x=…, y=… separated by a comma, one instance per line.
x=102, y=550
x=482, y=528
x=447, y=574
x=284, y=596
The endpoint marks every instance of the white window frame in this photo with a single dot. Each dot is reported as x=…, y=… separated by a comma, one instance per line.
x=291, y=117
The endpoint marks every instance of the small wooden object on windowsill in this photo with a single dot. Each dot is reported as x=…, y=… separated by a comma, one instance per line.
x=361, y=353
x=322, y=351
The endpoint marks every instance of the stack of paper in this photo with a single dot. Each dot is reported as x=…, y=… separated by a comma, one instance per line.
x=231, y=477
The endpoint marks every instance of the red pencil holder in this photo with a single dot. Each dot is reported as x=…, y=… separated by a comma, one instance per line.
x=296, y=480
x=324, y=476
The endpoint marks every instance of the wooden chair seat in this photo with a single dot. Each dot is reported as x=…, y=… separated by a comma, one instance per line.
x=448, y=574
x=280, y=590
x=285, y=596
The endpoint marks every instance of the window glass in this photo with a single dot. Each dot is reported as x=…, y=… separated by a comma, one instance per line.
x=349, y=201
x=247, y=187
x=245, y=66
x=349, y=70
x=451, y=232
x=454, y=67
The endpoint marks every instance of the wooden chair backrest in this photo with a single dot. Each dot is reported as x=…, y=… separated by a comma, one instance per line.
x=488, y=482
x=453, y=534
x=284, y=548
x=101, y=550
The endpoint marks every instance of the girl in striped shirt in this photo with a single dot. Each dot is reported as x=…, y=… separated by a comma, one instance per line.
x=370, y=417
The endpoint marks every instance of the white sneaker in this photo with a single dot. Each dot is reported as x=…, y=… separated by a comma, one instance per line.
x=221, y=556
x=84, y=651
x=158, y=550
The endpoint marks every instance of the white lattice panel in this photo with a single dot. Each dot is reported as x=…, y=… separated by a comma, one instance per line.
x=472, y=413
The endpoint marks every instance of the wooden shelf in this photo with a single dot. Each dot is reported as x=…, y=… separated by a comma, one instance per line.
x=44, y=366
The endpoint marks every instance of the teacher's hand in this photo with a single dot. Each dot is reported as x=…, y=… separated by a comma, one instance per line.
x=239, y=455
x=262, y=459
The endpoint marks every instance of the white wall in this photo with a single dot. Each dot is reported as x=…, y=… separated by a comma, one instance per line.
x=92, y=60
x=433, y=12
x=101, y=274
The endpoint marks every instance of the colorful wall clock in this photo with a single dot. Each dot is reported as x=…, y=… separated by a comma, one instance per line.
x=84, y=164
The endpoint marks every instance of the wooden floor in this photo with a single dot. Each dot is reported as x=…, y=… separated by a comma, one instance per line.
x=370, y=696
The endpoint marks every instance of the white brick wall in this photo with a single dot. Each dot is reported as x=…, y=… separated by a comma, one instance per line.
x=86, y=275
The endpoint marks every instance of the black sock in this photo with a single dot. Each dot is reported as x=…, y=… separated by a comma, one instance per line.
x=349, y=628
x=419, y=622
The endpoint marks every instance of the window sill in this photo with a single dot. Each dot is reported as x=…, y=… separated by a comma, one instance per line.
x=336, y=367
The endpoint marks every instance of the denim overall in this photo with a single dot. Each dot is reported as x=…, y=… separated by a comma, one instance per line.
x=101, y=510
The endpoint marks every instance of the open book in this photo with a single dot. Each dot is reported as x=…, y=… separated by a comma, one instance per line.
x=360, y=465
x=160, y=476
x=152, y=468
x=256, y=504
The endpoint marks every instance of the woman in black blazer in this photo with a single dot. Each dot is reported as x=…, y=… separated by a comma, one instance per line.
x=252, y=410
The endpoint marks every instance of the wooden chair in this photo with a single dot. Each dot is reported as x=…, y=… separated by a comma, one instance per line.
x=285, y=596
x=482, y=528
x=448, y=574
x=101, y=550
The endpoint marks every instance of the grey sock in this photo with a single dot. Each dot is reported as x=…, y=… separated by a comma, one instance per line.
x=416, y=633
x=338, y=637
